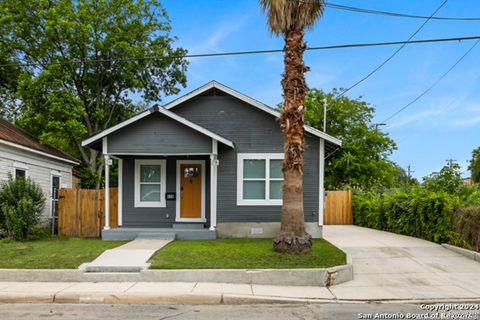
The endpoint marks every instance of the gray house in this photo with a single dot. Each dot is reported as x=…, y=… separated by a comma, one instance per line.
x=207, y=165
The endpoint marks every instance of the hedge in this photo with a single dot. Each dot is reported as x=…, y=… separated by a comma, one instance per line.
x=436, y=216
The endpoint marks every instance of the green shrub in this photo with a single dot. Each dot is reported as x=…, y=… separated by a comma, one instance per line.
x=467, y=222
x=416, y=212
x=472, y=195
x=449, y=179
x=369, y=210
x=21, y=203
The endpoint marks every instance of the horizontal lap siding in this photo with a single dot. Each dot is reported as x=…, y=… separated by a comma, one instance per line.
x=252, y=131
x=39, y=169
x=156, y=217
x=158, y=134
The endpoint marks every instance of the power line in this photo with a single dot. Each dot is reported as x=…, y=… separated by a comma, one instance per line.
x=395, y=14
x=434, y=84
x=236, y=53
x=392, y=55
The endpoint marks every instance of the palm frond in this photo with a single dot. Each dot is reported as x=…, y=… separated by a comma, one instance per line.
x=285, y=15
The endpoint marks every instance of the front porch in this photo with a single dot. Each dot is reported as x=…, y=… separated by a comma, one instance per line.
x=167, y=176
x=164, y=191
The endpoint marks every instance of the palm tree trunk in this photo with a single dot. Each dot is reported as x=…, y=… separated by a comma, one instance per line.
x=293, y=238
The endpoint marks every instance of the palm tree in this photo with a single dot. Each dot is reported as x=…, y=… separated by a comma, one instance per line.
x=290, y=18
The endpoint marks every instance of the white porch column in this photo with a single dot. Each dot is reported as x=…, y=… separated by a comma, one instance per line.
x=321, y=179
x=107, y=192
x=213, y=184
x=120, y=192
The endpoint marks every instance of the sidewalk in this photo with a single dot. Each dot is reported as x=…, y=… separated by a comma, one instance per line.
x=185, y=293
x=157, y=293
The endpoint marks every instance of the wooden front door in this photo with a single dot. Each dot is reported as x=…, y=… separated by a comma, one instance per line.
x=191, y=191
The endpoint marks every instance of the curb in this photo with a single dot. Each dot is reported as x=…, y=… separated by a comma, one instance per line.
x=137, y=298
x=287, y=277
x=472, y=255
x=234, y=299
x=151, y=298
x=24, y=297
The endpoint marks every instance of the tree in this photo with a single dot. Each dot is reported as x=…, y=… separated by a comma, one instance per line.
x=403, y=179
x=449, y=180
x=8, y=86
x=362, y=161
x=290, y=19
x=474, y=165
x=78, y=76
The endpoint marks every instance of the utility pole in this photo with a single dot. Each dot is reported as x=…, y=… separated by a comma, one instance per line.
x=325, y=114
x=379, y=124
x=450, y=162
x=409, y=171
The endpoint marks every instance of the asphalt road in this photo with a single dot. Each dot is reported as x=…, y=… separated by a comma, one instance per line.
x=182, y=312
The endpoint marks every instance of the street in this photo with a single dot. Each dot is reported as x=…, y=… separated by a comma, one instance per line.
x=181, y=312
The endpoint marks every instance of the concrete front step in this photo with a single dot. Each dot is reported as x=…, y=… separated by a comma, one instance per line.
x=189, y=226
x=159, y=233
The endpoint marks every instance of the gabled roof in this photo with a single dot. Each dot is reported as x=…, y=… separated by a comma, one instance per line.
x=16, y=137
x=165, y=112
x=214, y=84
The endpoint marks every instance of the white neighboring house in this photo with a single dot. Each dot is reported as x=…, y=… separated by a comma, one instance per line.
x=22, y=155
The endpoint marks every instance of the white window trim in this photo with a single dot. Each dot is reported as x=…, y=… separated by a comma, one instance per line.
x=163, y=183
x=53, y=174
x=19, y=166
x=257, y=156
x=178, y=197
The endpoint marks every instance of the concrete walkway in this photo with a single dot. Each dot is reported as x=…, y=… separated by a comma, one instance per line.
x=388, y=266
x=131, y=257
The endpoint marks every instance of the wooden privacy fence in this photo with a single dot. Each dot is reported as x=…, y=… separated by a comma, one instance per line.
x=338, y=207
x=81, y=212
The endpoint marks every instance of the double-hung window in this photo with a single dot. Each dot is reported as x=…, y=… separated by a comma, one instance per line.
x=260, y=179
x=19, y=170
x=150, y=183
x=20, y=173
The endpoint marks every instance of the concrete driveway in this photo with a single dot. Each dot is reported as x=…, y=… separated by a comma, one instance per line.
x=389, y=266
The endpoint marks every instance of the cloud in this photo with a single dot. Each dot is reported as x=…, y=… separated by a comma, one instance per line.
x=220, y=32
x=423, y=116
x=468, y=116
x=467, y=121
x=473, y=107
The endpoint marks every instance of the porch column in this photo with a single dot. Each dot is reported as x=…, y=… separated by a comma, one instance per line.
x=321, y=179
x=213, y=185
x=107, y=192
x=120, y=192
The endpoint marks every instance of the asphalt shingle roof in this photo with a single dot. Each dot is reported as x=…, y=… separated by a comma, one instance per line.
x=14, y=134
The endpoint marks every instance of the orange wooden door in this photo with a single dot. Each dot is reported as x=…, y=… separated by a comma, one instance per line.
x=191, y=191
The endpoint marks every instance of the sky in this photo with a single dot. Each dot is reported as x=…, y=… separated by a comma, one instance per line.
x=444, y=124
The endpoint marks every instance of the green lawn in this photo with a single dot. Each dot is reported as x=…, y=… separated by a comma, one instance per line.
x=242, y=254
x=52, y=253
